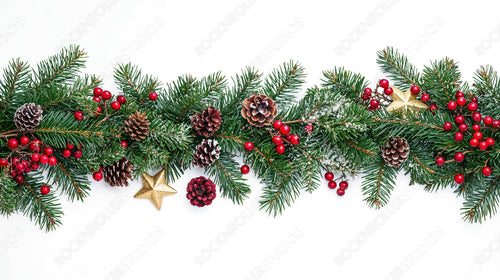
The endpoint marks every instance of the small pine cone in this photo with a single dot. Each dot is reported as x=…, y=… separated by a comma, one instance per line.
x=206, y=123
x=201, y=191
x=118, y=173
x=137, y=126
x=259, y=110
x=28, y=116
x=396, y=151
x=206, y=153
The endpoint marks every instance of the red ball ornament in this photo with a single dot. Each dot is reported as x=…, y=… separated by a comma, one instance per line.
x=472, y=106
x=120, y=98
x=490, y=141
x=115, y=105
x=277, y=125
x=367, y=91
x=329, y=176
x=124, y=144
x=19, y=179
x=452, y=105
x=12, y=143
x=433, y=108
x=440, y=161
x=448, y=126
x=78, y=115
x=248, y=146
x=476, y=127
x=476, y=117
x=340, y=192
x=483, y=145
x=459, y=179
x=488, y=120
x=280, y=149
x=24, y=140
x=97, y=91
x=78, y=154
x=415, y=89
x=277, y=140
x=97, y=99
x=66, y=153
x=425, y=97
x=343, y=185
x=245, y=169
x=463, y=128
x=97, y=176
x=44, y=159
x=486, y=171
x=459, y=119
x=459, y=136
x=459, y=157
x=374, y=103
x=295, y=139
x=461, y=101
x=153, y=96
x=474, y=142
x=44, y=190
x=284, y=130
x=106, y=95
x=383, y=83
x=388, y=91
x=459, y=94
x=52, y=161
x=478, y=135
x=332, y=184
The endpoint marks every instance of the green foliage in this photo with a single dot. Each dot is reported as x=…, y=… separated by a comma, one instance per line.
x=398, y=68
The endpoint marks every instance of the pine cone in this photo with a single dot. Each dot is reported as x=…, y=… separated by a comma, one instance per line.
x=206, y=123
x=259, y=110
x=201, y=191
x=118, y=173
x=396, y=151
x=206, y=153
x=28, y=116
x=137, y=126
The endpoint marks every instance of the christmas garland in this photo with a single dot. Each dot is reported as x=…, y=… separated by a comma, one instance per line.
x=58, y=126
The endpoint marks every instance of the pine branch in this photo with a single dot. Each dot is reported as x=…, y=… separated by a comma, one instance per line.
x=482, y=202
x=443, y=79
x=134, y=84
x=378, y=182
x=229, y=179
x=344, y=84
x=401, y=72
x=244, y=85
x=283, y=82
x=16, y=78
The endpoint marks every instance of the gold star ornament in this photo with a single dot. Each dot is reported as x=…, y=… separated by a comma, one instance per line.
x=155, y=188
x=405, y=102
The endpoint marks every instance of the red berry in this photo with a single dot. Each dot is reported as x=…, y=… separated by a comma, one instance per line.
x=69, y=146
x=476, y=127
x=48, y=151
x=66, y=153
x=459, y=136
x=474, y=99
x=248, y=146
x=98, y=111
x=374, y=103
x=78, y=154
x=496, y=124
x=97, y=176
x=20, y=167
x=277, y=140
x=35, y=157
x=120, y=98
x=97, y=99
x=19, y=179
x=52, y=161
x=12, y=143
x=478, y=135
x=340, y=192
x=459, y=157
x=44, y=159
x=295, y=139
x=483, y=145
x=476, y=117
x=461, y=101
x=463, y=128
x=343, y=185
x=332, y=184
x=459, y=178
x=486, y=171
x=425, y=97
x=97, y=91
x=366, y=96
x=472, y=106
x=440, y=161
x=280, y=149
x=488, y=120
x=490, y=142
x=383, y=83
x=367, y=91
x=329, y=176
x=459, y=119
x=459, y=94
x=24, y=140
x=78, y=115
x=452, y=105
x=474, y=142
x=35, y=166
x=448, y=126
x=153, y=96
x=277, y=125
x=388, y=91
x=284, y=130
x=106, y=95
x=308, y=128
x=44, y=190
x=115, y=105
x=124, y=144
x=433, y=108
x=245, y=169
x=3, y=162
x=415, y=89
x=15, y=160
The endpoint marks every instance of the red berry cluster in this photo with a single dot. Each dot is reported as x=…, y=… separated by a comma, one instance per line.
x=21, y=162
x=343, y=185
x=104, y=95
x=66, y=153
x=201, y=191
x=374, y=97
x=461, y=109
x=284, y=136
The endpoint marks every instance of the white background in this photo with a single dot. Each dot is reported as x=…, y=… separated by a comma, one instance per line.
x=419, y=235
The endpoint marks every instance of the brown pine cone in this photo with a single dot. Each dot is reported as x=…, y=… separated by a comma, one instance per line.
x=137, y=126
x=206, y=123
x=259, y=110
x=28, y=116
x=206, y=153
x=118, y=173
x=396, y=151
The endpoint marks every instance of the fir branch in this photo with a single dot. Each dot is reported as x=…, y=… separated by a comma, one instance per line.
x=283, y=82
x=344, y=84
x=402, y=73
x=482, y=202
x=229, y=179
x=443, y=79
x=244, y=85
x=378, y=184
